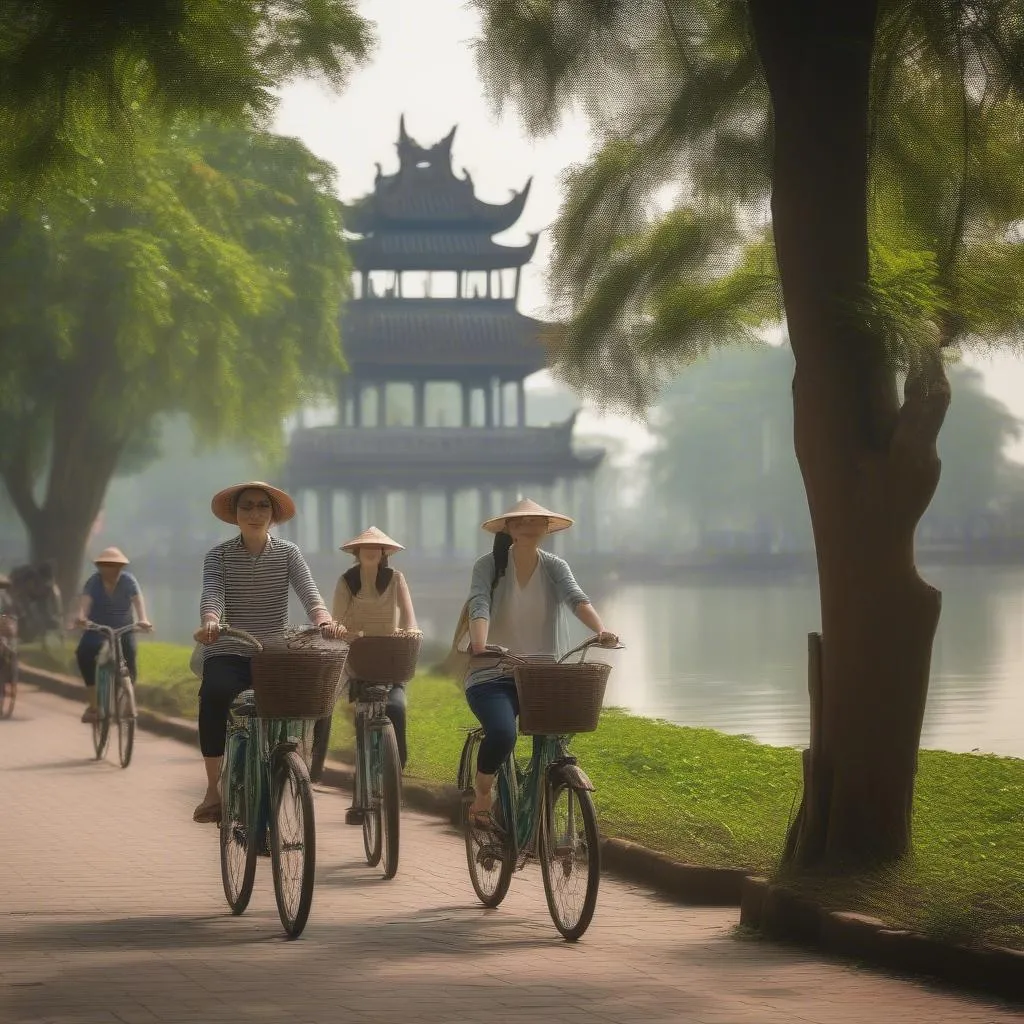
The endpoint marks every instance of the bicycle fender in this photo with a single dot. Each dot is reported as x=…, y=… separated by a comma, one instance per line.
x=571, y=775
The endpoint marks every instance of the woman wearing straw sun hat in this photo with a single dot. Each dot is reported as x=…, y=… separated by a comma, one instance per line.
x=373, y=599
x=245, y=583
x=518, y=598
x=111, y=597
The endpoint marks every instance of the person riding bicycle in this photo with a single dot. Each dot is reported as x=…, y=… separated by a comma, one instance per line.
x=8, y=622
x=245, y=583
x=518, y=599
x=111, y=597
x=373, y=599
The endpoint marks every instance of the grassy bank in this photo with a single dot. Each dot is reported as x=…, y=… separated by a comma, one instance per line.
x=709, y=798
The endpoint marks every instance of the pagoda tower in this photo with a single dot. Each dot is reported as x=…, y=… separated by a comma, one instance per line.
x=430, y=434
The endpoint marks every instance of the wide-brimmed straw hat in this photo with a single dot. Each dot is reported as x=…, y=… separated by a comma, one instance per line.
x=110, y=556
x=373, y=538
x=528, y=507
x=223, y=503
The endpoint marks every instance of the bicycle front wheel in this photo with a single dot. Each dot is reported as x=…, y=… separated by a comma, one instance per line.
x=8, y=685
x=101, y=723
x=386, y=793
x=570, y=858
x=373, y=843
x=292, y=841
x=238, y=840
x=124, y=711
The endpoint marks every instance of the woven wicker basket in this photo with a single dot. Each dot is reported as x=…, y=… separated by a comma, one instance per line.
x=299, y=678
x=557, y=700
x=388, y=660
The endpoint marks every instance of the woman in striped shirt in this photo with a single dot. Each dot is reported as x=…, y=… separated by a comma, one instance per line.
x=245, y=583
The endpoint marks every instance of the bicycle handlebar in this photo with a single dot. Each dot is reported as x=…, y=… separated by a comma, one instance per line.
x=114, y=634
x=505, y=656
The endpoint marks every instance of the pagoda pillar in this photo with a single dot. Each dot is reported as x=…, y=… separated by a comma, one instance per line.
x=520, y=403
x=489, y=404
x=467, y=404
x=419, y=399
x=449, y=521
x=357, y=402
x=325, y=520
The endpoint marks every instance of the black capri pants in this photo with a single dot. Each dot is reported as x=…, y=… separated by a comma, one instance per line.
x=225, y=676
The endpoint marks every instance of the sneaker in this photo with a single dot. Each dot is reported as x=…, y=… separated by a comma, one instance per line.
x=90, y=715
x=355, y=816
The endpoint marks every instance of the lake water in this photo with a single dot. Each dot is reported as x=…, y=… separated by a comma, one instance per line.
x=733, y=656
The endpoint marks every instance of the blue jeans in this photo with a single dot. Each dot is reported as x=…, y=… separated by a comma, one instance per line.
x=496, y=706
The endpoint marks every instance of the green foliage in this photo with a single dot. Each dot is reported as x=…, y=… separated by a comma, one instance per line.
x=677, y=96
x=81, y=83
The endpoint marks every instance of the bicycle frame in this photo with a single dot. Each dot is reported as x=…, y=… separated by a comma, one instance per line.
x=371, y=718
x=111, y=653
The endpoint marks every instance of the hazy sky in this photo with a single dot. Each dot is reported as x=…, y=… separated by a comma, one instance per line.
x=424, y=68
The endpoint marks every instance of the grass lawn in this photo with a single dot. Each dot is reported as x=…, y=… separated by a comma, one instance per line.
x=709, y=798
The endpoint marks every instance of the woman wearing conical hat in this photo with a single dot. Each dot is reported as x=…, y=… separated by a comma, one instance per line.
x=519, y=598
x=111, y=597
x=371, y=598
x=246, y=581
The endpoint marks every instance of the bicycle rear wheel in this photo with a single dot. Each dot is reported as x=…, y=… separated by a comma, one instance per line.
x=490, y=853
x=292, y=841
x=8, y=684
x=124, y=712
x=101, y=723
x=570, y=858
x=386, y=792
x=238, y=842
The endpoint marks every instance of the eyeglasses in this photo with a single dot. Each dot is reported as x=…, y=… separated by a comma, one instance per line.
x=258, y=506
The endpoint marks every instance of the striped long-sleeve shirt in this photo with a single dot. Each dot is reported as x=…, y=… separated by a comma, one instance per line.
x=250, y=592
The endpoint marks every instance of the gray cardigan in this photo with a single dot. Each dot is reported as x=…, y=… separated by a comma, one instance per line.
x=564, y=593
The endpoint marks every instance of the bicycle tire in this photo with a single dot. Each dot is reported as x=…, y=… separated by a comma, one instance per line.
x=570, y=926
x=389, y=777
x=290, y=776
x=101, y=724
x=238, y=874
x=373, y=846
x=484, y=850
x=123, y=705
x=8, y=685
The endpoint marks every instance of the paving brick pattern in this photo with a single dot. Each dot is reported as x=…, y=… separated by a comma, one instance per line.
x=111, y=910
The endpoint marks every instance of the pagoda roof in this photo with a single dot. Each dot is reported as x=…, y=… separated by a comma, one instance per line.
x=437, y=250
x=424, y=456
x=423, y=337
x=425, y=193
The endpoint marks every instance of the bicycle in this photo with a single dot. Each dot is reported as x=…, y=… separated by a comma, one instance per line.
x=376, y=664
x=264, y=779
x=545, y=812
x=115, y=695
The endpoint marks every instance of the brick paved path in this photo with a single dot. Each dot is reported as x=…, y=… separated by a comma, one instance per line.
x=111, y=910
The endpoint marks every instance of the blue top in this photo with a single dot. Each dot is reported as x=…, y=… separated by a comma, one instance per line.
x=112, y=609
x=565, y=594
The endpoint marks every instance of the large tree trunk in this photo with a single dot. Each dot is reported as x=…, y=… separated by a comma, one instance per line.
x=85, y=452
x=870, y=466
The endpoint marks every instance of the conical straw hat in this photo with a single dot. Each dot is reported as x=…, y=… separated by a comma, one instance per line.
x=110, y=556
x=372, y=537
x=223, y=504
x=528, y=507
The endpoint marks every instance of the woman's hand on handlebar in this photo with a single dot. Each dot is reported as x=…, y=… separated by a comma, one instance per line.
x=207, y=633
x=606, y=639
x=332, y=630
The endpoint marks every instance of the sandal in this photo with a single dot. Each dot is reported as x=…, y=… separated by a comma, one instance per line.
x=207, y=814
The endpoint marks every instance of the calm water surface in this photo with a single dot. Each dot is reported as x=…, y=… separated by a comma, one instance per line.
x=734, y=656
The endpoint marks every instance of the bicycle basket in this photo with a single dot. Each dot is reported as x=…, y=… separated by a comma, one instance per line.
x=298, y=678
x=385, y=659
x=557, y=700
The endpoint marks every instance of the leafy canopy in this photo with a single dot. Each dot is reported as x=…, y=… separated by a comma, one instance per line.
x=662, y=249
